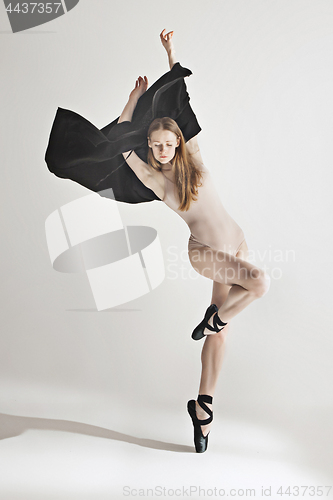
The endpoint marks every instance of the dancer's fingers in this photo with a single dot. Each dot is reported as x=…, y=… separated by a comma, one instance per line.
x=166, y=37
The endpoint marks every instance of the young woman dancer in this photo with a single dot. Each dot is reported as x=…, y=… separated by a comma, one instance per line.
x=167, y=167
x=217, y=248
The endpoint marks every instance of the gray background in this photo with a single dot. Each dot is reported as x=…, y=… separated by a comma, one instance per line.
x=262, y=91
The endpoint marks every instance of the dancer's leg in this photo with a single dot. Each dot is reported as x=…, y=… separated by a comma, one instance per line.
x=212, y=355
x=248, y=282
x=214, y=346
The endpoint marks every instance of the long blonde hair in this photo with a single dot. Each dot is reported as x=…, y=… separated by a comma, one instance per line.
x=187, y=174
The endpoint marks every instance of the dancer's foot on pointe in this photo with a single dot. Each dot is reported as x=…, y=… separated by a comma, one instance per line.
x=198, y=408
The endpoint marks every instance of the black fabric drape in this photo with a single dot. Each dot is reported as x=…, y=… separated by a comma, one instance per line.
x=79, y=151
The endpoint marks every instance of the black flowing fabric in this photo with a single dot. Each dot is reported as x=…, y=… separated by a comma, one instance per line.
x=79, y=151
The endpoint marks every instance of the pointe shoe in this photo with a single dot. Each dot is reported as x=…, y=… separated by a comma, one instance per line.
x=200, y=441
x=198, y=331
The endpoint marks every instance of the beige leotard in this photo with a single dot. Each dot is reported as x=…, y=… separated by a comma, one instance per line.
x=209, y=222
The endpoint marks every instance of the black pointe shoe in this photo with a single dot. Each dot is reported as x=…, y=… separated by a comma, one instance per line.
x=198, y=331
x=200, y=441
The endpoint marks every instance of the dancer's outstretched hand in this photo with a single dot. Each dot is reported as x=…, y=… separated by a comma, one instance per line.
x=140, y=88
x=166, y=39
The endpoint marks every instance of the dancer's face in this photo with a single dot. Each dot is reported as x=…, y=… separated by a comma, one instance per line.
x=163, y=144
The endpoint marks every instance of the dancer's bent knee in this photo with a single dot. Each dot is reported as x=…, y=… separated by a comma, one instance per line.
x=261, y=284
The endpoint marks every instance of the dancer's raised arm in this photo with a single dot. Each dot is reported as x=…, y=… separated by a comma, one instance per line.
x=140, y=88
x=166, y=39
x=139, y=167
x=192, y=145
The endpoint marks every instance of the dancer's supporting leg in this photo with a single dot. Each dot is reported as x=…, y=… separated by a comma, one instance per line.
x=212, y=355
x=214, y=345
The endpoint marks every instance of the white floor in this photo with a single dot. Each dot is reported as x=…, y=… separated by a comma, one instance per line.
x=151, y=455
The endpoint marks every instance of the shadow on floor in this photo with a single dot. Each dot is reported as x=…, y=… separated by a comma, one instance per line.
x=11, y=426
